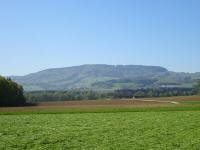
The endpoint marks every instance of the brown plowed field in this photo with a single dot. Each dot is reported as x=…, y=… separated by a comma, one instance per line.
x=103, y=103
x=116, y=103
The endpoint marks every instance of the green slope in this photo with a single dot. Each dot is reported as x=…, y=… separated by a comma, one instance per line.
x=105, y=77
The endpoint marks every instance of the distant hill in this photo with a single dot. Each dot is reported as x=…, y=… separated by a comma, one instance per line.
x=106, y=77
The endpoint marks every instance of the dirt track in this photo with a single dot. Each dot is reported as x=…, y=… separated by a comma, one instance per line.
x=177, y=98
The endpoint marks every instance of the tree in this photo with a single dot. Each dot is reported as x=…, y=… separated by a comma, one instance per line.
x=199, y=87
x=11, y=94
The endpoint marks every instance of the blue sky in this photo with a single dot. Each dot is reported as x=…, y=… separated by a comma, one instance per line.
x=40, y=34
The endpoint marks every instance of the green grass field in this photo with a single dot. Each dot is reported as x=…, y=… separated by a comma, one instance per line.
x=106, y=130
x=92, y=125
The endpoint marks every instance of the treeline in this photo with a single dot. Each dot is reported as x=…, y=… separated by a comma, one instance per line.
x=156, y=92
x=11, y=94
x=199, y=88
x=41, y=96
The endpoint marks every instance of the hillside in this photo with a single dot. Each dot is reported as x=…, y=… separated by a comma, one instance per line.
x=105, y=77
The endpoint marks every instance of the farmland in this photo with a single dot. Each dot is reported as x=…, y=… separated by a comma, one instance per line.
x=108, y=124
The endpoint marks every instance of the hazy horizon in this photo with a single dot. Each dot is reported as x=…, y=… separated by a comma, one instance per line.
x=38, y=35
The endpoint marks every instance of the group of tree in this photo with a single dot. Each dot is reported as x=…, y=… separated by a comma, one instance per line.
x=199, y=88
x=41, y=96
x=71, y=95
x=155, y=92
x=11, y=94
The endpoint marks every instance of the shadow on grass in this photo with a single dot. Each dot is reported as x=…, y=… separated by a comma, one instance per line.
x=29, y=104
x=20, y=105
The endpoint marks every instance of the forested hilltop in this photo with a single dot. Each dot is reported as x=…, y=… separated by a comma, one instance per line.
x=106, y=78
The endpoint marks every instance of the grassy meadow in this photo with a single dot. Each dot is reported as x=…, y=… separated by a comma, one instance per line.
x=171, y=127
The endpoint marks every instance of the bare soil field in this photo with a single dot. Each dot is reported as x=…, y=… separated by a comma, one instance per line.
x=85, y=104
x=114, y=103
x=104, y=103
x=141, y=102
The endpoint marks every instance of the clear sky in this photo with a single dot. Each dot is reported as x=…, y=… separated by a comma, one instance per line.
x=41, y=34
